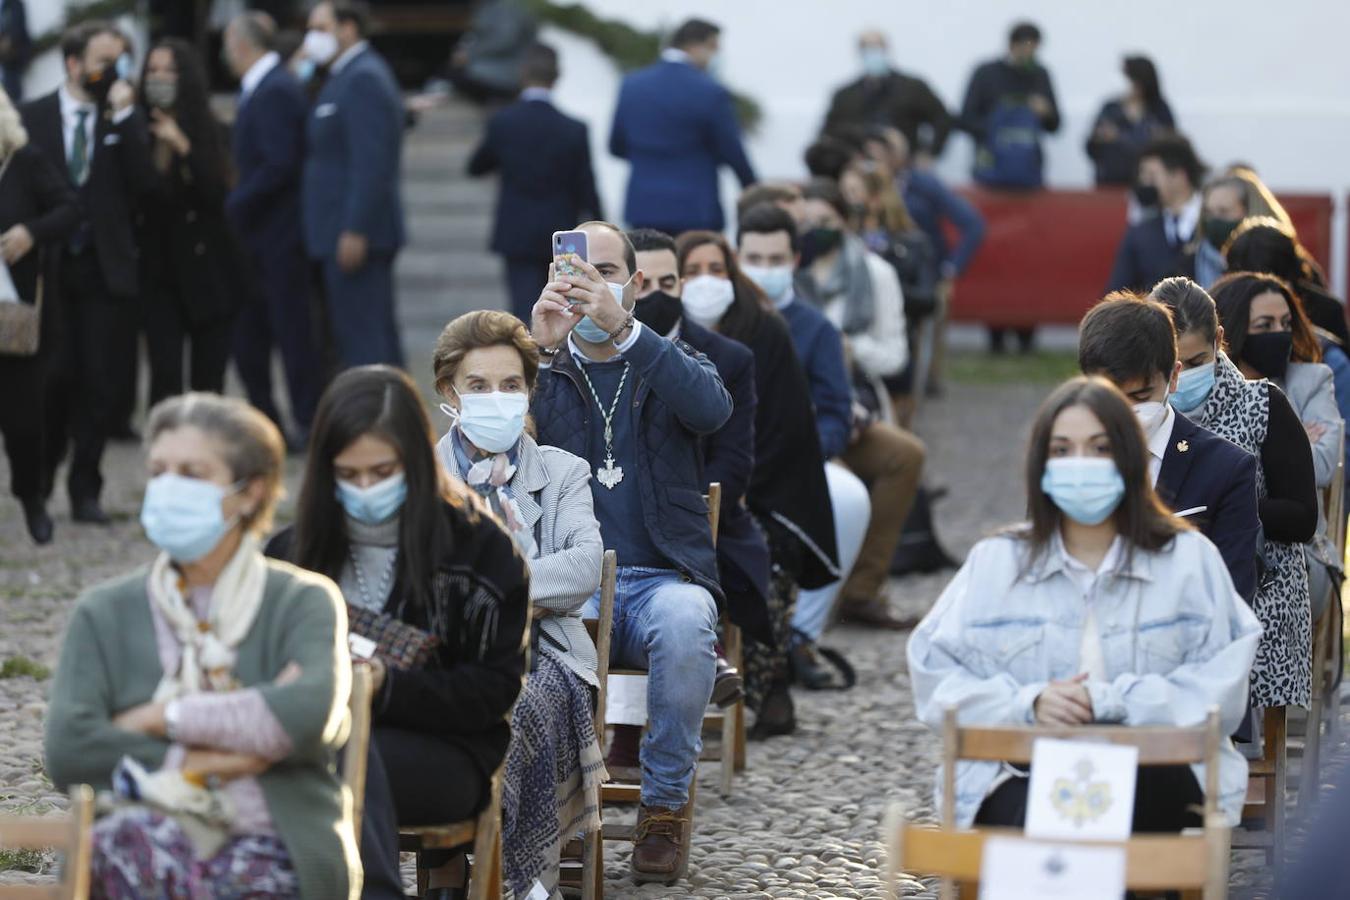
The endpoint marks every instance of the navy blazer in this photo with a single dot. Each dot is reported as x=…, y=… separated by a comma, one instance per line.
x=1144, y=257
x=355, y=143
x=547, y=183
x=676, y=125
x=1202, y=469
x=269, y=153
x=729, y=459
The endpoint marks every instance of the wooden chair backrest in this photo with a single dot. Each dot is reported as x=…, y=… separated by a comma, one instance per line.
x=1158, y=746
x=601, y=630
x=69, y=834
x=1188, y=861
x=358, y=743
x=714, y=498
x=1333, y=499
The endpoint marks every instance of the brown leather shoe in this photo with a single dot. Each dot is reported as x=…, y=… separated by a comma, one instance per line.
x=661, y=842
x=874, y=612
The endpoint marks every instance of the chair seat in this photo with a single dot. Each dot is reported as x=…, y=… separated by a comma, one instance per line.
x=437, y=837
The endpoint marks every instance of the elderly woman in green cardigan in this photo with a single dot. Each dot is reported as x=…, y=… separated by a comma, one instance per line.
x=208, y=692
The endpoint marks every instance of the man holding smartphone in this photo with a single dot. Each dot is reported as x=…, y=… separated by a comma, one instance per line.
x=635, y=405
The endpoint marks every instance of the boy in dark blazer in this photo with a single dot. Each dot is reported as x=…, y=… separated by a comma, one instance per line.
x=1163, y=244
x=352, y=212
x=90, y=129
x=1131, y=341
x=544, y=159
x=675, y=124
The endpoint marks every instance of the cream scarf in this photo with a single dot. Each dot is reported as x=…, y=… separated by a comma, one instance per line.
x=208, y=648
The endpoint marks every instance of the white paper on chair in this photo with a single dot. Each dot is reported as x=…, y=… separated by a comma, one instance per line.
x=1081, y=790
x=8, y=293
x=626, y=700
x=1014, y=869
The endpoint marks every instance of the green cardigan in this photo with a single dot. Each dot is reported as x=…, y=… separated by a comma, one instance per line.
x=109, y=663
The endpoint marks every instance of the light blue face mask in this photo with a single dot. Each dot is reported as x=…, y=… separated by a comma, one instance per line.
x=183, y=517
x=492, y=422
x=589, y=331
x=774, y=281
x=1194, y=387
x=374, y=504
x=1086, y=489
x=875, y=62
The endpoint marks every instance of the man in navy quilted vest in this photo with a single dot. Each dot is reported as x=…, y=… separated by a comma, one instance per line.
x=634, y=404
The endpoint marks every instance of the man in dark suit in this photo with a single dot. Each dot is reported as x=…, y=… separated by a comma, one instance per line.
x=1163, y=244
x=264, y=207
x=352, y=214
x=884, y=96
x=547, y=183
x=1131, y=341
x=90, y=129
x=675, y=124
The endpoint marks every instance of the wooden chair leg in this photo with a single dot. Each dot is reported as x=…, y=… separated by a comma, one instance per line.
x=593, y=866
x=1276, y=750
x=1312, y=737
x=423, y=877
x=740, y=735
x=728, y=750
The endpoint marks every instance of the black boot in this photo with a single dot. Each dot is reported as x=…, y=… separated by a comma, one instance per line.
x=776, y=715
x=39, y=523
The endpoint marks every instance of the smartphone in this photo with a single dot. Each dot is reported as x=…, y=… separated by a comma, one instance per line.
x=569, y=246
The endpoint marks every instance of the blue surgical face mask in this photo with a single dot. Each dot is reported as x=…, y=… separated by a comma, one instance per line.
x=1086, y=489
x=875, y=61
x=183, y=517
x=593, y=333
x=492, y=422
x=775, y=281
x=376, y=503
x=125, y=67
x=1194, y=387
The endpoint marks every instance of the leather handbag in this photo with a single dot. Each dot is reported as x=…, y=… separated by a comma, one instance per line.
x=398, y=645
x=21, y=323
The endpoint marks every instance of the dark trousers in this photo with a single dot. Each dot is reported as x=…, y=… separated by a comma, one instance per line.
x=1163, y=801
x=279, y=313
x=167, y=331
x=98, y=334
x=525, y=279
x=21, y=407
x=361, y=311
x=412, y=779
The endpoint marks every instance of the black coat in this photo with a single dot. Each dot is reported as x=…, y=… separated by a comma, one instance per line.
x=894, y=99
x=729, y=459
x=192, y=258
x=547, y=183
x=120, y=176
x=480, y=612
x=788, y=490
x=34, y=195
x=1144, y=257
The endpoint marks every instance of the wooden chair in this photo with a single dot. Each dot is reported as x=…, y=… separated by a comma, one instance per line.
x=1157, y=746
x=483, y=834
x=69, y=834
x=1323, y=712
x=354, y=755
x=1188, y=862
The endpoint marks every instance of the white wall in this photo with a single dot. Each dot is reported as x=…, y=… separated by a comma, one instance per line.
x=47, y=71
x=1266, y=83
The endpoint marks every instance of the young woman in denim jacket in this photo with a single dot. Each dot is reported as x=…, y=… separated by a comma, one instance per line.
x=1102, y=609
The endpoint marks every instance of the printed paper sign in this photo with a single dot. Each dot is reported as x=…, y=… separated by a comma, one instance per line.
x=1081, y=791
x=626, y=700
x=1014, y=869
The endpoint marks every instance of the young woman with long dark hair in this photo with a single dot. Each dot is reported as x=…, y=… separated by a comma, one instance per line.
x=1126, y=124
x=1102, y=608
x=379, y=515
x=192, y=277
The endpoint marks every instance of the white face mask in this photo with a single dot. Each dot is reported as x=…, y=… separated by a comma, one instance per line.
x=320, y=46
x=1151, y=415
x=707, y=298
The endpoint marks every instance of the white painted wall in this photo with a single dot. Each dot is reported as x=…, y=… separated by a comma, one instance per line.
x=1269, y=84
x=47, y=71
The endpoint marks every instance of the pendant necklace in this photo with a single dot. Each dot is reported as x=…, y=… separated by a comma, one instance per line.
x=609, y=474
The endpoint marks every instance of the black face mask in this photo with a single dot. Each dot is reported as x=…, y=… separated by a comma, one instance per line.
x=1269, y=353
x=98, y=84
x=818, y=242
x=659, y=311
x=1146, y=194
x=1217, y=231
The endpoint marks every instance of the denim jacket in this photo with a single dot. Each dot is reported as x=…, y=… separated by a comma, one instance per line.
x=1176, y=639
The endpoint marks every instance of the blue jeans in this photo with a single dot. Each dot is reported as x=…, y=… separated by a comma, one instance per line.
x=665, y=625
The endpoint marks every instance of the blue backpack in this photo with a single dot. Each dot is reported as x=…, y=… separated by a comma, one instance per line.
x=1010, y=156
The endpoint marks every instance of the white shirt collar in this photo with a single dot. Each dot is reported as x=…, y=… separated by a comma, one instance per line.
x=1157, y=444
x=1188, y=217
x=257, y=72
x=69, y=105
x=537, y=93
x=674, y=54
x=347, y=55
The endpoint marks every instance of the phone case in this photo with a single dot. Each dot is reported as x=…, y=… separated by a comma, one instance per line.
x=567, y=248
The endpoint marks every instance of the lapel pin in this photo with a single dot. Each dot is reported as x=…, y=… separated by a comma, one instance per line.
x=1183, y=446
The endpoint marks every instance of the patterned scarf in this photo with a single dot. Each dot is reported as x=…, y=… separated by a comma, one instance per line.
x=849, y=280
x=491, y=477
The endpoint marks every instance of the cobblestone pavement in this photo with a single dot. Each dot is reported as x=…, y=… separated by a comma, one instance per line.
x=804, y=819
